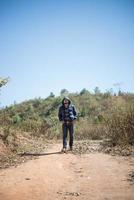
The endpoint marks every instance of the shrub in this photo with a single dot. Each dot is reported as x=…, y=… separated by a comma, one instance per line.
x=120, y=127
x=87, y=130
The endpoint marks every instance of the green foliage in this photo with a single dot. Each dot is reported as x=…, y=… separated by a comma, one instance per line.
x=51, y=95
x=99, y=115
x=9, y=137
x=16, y=119
x=84, y=91
x=64, y=92
x=97, y=91
x=3, y=81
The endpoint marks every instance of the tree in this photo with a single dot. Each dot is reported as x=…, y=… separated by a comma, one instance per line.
x=51, y=94
x=64, y=92
x=3, y=81
x=108, y=93
x=97, y=90
x=84, y=91
x=120, y=93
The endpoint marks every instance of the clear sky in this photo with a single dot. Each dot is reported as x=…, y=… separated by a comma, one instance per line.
x=48, y=45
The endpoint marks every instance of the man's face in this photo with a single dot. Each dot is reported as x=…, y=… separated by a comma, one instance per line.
x=66, y=103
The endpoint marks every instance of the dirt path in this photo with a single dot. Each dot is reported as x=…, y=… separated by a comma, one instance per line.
x=67, y=176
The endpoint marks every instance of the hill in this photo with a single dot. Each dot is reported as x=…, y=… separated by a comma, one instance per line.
x=100, y=115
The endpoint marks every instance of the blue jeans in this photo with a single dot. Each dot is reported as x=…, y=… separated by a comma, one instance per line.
x=65, y=128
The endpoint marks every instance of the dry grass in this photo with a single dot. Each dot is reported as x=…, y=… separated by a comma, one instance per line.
x=88, y=130
x=120, y=127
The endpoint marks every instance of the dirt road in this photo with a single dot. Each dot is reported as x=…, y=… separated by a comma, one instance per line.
x=58, y=176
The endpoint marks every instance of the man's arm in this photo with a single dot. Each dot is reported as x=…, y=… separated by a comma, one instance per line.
x=74, y=113
x=60, y=113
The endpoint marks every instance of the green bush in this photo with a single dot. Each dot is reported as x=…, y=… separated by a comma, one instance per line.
x=16, y=119
x=99, y=115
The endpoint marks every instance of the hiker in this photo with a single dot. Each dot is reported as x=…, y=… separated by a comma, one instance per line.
x=67, y=115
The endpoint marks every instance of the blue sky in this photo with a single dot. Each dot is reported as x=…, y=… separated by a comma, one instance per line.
x=48, y=45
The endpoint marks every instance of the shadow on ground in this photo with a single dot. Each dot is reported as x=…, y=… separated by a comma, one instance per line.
x=38, y=154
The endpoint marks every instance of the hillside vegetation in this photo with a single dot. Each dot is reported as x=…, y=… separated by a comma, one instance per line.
x=100, y=116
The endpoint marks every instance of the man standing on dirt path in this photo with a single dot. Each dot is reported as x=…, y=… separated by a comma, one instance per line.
x=67, y=115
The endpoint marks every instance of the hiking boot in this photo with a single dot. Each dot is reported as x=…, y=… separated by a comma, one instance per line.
x=71, y=149
x=64, y=150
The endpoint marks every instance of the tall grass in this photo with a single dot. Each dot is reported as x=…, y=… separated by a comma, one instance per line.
x=87, y=130
x=120, y=127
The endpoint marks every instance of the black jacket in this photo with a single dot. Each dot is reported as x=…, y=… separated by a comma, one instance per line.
x=72, y=114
